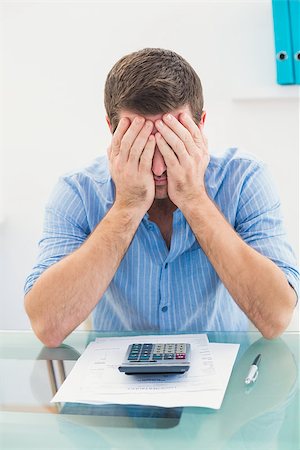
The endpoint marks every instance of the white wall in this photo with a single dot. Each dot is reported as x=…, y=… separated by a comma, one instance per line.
x=56, y=57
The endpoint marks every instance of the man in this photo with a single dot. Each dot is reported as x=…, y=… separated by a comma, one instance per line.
x=161, y=236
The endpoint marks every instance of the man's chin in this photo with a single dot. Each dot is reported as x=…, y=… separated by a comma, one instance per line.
x=161, y=193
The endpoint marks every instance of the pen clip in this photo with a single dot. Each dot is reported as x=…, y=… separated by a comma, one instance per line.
x=255, y=376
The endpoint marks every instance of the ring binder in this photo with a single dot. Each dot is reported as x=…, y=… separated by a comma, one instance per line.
x=283, y=42
x=294, y=6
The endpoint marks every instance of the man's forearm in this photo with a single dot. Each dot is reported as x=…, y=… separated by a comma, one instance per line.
x=67, y=292
x=256, y=284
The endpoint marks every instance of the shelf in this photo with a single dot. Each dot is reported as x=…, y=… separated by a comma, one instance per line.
x=277, y=92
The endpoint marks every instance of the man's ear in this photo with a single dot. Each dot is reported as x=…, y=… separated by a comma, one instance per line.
x=203, y=117
x=109, y=124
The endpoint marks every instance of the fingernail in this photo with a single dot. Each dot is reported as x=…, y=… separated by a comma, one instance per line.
x=169, y=117
x=159, y=124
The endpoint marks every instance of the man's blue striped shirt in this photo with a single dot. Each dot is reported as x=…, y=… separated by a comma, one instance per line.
x=168, y=290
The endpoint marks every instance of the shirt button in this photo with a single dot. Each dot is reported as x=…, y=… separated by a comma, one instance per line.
x=164, y=308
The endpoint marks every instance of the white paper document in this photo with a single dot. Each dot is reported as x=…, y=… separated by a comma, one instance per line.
x=96, y=379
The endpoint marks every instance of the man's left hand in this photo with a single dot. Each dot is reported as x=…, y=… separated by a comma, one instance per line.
x=184, y=149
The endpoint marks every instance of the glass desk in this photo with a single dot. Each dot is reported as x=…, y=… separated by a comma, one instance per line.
x=265, y=416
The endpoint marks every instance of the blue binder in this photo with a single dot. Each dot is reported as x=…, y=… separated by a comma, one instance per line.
x=283, y=42
x=295, y=27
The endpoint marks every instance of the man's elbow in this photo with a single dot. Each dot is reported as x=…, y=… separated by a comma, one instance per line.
x=42, y=328
x=277, y=326
x=47, y=337
x=272, y=332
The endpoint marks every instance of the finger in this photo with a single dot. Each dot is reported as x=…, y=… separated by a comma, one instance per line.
x=146, y=158
x=166, y=151
x=204, y=138
x=121, y=129
x=202, y=143
x=140, y=142
x=195, y=131
x=129, y=138
x=174, y=141
x=181, y=131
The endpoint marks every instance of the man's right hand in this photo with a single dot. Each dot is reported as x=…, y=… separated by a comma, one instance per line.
x=130, y=157
x=71, y=292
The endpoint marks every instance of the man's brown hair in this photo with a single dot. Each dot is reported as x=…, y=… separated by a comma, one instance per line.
x=152, y=81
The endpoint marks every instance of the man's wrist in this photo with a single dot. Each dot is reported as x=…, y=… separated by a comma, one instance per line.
x=200, y=204
x=128, y=213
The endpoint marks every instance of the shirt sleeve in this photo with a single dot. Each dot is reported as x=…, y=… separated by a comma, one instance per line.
x=65, y=228
x=259, y=222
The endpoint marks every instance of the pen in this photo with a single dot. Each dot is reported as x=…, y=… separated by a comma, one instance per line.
x=253, y=371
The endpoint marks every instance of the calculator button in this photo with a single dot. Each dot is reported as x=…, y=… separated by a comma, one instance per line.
x=180, y=355
x=133, y=357
x=170, y=348
x=181, y=348
x=169, y=356
x=136, y=346
x=144, y=357
x=158, y=349
x=157, y=356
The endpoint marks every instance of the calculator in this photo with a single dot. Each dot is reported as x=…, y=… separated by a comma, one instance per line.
x=156, y=358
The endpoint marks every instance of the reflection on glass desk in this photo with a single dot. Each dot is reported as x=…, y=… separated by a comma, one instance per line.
x=264, y=416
